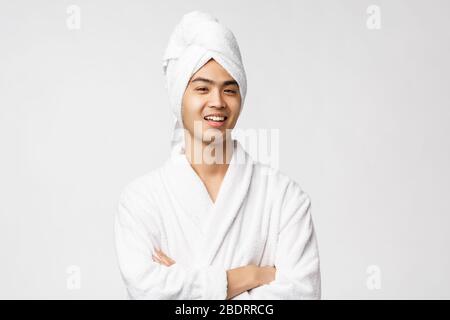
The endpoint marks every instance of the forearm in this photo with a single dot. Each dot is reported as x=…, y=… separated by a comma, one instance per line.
x=238, y=280
x=248, y=277
x=241, y=279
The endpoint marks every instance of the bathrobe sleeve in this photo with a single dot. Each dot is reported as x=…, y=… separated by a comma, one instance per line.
x=297, y=258
x=145, y=279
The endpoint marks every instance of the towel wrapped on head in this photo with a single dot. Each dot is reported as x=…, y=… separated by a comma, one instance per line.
x=197, y=38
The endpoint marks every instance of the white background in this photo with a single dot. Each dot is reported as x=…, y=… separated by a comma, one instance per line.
x=364, y=120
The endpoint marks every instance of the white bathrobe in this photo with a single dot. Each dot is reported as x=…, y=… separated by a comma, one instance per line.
x=260, y=217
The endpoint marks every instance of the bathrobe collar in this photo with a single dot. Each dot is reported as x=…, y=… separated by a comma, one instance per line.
x=213, y=219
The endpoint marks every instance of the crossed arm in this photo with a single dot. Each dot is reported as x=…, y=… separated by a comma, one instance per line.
x=239, y=279
x=162, y=278
x=297, y=273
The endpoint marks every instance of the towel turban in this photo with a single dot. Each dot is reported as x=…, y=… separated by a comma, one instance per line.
x=196, y=39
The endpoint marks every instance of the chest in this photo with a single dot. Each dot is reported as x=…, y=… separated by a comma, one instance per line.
x=250, y=237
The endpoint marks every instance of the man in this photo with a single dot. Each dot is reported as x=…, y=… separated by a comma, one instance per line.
x=212, y=223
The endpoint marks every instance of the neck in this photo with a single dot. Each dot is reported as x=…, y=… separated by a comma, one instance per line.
x=209, y=159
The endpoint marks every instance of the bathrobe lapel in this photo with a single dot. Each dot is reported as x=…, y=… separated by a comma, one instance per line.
x=213, y=220
x=232, y=194
x=187, y=189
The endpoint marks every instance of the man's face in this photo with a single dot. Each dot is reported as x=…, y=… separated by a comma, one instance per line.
x=212, y=99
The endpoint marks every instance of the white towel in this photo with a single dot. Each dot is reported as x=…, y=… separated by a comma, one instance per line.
x=197, y=38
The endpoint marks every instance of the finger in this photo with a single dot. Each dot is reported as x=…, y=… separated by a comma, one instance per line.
x=162, y=260
x=168, y=259
x=165, y=258
x=156, y=259
x=158, y=255
x=171, y=262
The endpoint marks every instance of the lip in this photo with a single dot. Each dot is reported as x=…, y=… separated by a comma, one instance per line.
x=215, y=115
x=216, y=124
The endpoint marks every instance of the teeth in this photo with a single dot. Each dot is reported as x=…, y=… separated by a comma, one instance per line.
x=215, y=118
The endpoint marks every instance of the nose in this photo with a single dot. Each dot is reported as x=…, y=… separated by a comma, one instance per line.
x=216, y=99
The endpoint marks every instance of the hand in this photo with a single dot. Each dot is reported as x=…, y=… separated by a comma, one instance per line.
x=162, y=258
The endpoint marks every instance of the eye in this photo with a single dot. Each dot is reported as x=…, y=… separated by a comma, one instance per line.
x=231, y=91
x=202, y=89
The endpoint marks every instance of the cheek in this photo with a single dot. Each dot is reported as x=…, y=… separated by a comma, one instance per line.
x=235, y=107
x=191, y=112
x=192, y=106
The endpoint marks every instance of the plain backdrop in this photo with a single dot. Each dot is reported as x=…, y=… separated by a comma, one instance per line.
x=363, y=116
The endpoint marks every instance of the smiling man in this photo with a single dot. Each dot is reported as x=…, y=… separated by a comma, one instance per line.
x=213, y=223
x=212, y=103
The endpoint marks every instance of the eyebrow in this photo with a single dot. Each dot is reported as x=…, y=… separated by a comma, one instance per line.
x=225, y=83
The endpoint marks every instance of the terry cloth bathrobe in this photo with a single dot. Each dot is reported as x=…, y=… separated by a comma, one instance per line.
x=260, y=215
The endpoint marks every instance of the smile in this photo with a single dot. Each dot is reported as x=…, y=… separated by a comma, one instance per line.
x=215, y=120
